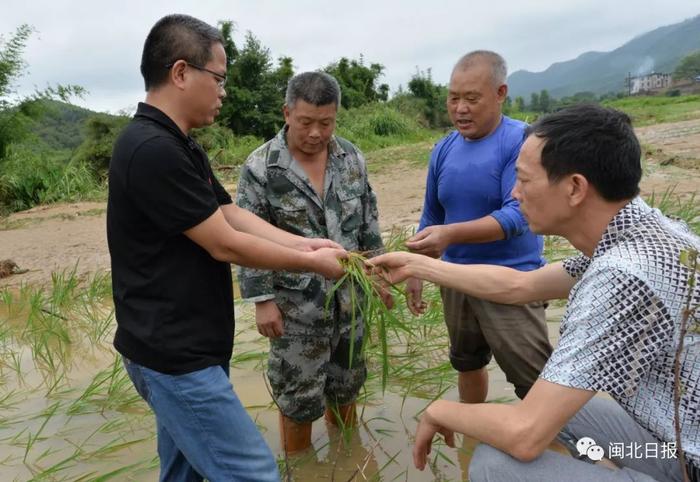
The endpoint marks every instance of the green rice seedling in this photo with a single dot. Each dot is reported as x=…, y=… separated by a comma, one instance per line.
x=16, y=439
x=121, y=394
x=32, y=438
x=392, y=460
x=99, y=287
x=113, y=425
x=114, y=446
x=50, y=344
x=82, y=404
x=5, y=333
x=14, y=361
x=249, y=355
x=63, y=287
x=7, y=301
x=109, y=389
x=54, y=383
x=9, y=402
x=674, y=205
x=43, y=355
x=36, y=302
x=397, y=236
x=365, y=300
x=97, y=324
x=111, y=475
x=51, y=473
x=46, y=453
x=346, y=429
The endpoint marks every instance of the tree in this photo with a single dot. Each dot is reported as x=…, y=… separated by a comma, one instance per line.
x=545, y=101
x=101, y=131
x=358, y=83
x=534, y=102
x=519, y=104
x=28, y=173
x=432, y=96
x=689, y=67
x=507, y=104
x=226, y=29
x=11, y=67
x=585, y=97
x=14, y=115
x=255, y=90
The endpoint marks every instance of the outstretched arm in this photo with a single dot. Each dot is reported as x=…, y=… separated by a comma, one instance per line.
x=493, y=283
x=247, y=222
x=224, y=243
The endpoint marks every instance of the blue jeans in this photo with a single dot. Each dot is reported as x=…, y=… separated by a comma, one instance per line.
x=203, y=430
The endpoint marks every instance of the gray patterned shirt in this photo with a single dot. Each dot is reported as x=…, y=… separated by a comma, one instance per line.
x=620, y=331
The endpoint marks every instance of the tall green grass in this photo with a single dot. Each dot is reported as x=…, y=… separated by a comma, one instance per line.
x=376, y=126
x=684, y=208
x=29, y=178
x=646, y=110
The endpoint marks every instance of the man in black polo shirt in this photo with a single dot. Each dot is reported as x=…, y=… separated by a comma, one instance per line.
x=172, y=232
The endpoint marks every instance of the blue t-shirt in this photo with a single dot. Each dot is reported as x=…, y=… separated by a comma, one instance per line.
x=470, y=179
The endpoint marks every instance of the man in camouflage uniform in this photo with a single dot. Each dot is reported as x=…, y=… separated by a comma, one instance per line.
x=311, y=183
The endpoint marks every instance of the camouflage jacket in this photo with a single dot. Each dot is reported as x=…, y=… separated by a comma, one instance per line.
x=275, y=187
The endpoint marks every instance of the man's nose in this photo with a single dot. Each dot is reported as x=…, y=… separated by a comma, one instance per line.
x=463, y=106
x=516, y=191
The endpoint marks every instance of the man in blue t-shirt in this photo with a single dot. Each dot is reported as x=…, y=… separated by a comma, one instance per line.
x=470, y=217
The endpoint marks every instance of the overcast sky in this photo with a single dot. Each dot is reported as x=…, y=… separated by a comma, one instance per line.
x=98, y=44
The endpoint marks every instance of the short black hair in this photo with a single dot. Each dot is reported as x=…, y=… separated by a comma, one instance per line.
x=176, y=37
x=594, y=141
x=316, y=88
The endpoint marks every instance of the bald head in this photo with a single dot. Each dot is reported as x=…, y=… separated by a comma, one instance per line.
x=499, y=70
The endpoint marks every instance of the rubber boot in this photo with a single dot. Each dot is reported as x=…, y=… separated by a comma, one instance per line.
x=346, y=413
x=295, y=437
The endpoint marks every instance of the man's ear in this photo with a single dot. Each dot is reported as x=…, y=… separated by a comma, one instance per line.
x=285, y=112
x=578, y=187
x=502, y=92
x=178, y=73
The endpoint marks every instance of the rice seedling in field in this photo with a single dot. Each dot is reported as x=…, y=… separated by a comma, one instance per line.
x=63, y=287
x=366, y=300
x=367, y=295
x=109, y=389
x=7, y=302
x=97, y=321
x=32, y=438
x=686, y=208
x=98, y=288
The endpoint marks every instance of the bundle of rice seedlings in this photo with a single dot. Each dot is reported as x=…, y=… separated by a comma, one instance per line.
x=366, y=300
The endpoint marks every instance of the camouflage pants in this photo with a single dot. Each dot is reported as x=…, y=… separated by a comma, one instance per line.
x=306, y=372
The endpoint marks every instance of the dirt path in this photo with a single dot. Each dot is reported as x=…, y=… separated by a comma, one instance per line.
x=672, y=153
x=52, y=238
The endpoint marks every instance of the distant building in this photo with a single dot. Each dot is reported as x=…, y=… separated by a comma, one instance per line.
x=652, y=82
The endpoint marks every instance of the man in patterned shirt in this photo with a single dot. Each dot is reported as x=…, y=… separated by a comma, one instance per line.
x=578, y=177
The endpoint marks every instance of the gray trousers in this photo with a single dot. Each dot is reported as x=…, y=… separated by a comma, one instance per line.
x=600, y=419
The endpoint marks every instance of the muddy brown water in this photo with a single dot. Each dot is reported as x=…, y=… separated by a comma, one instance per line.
x=112, y=438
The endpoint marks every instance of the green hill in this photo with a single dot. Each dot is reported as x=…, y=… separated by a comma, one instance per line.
x=60, y=125
x=600, y=72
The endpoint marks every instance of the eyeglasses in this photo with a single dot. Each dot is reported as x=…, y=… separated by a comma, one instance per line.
x=220, y=79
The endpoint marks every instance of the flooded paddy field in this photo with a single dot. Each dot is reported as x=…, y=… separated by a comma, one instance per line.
x=68, y=410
